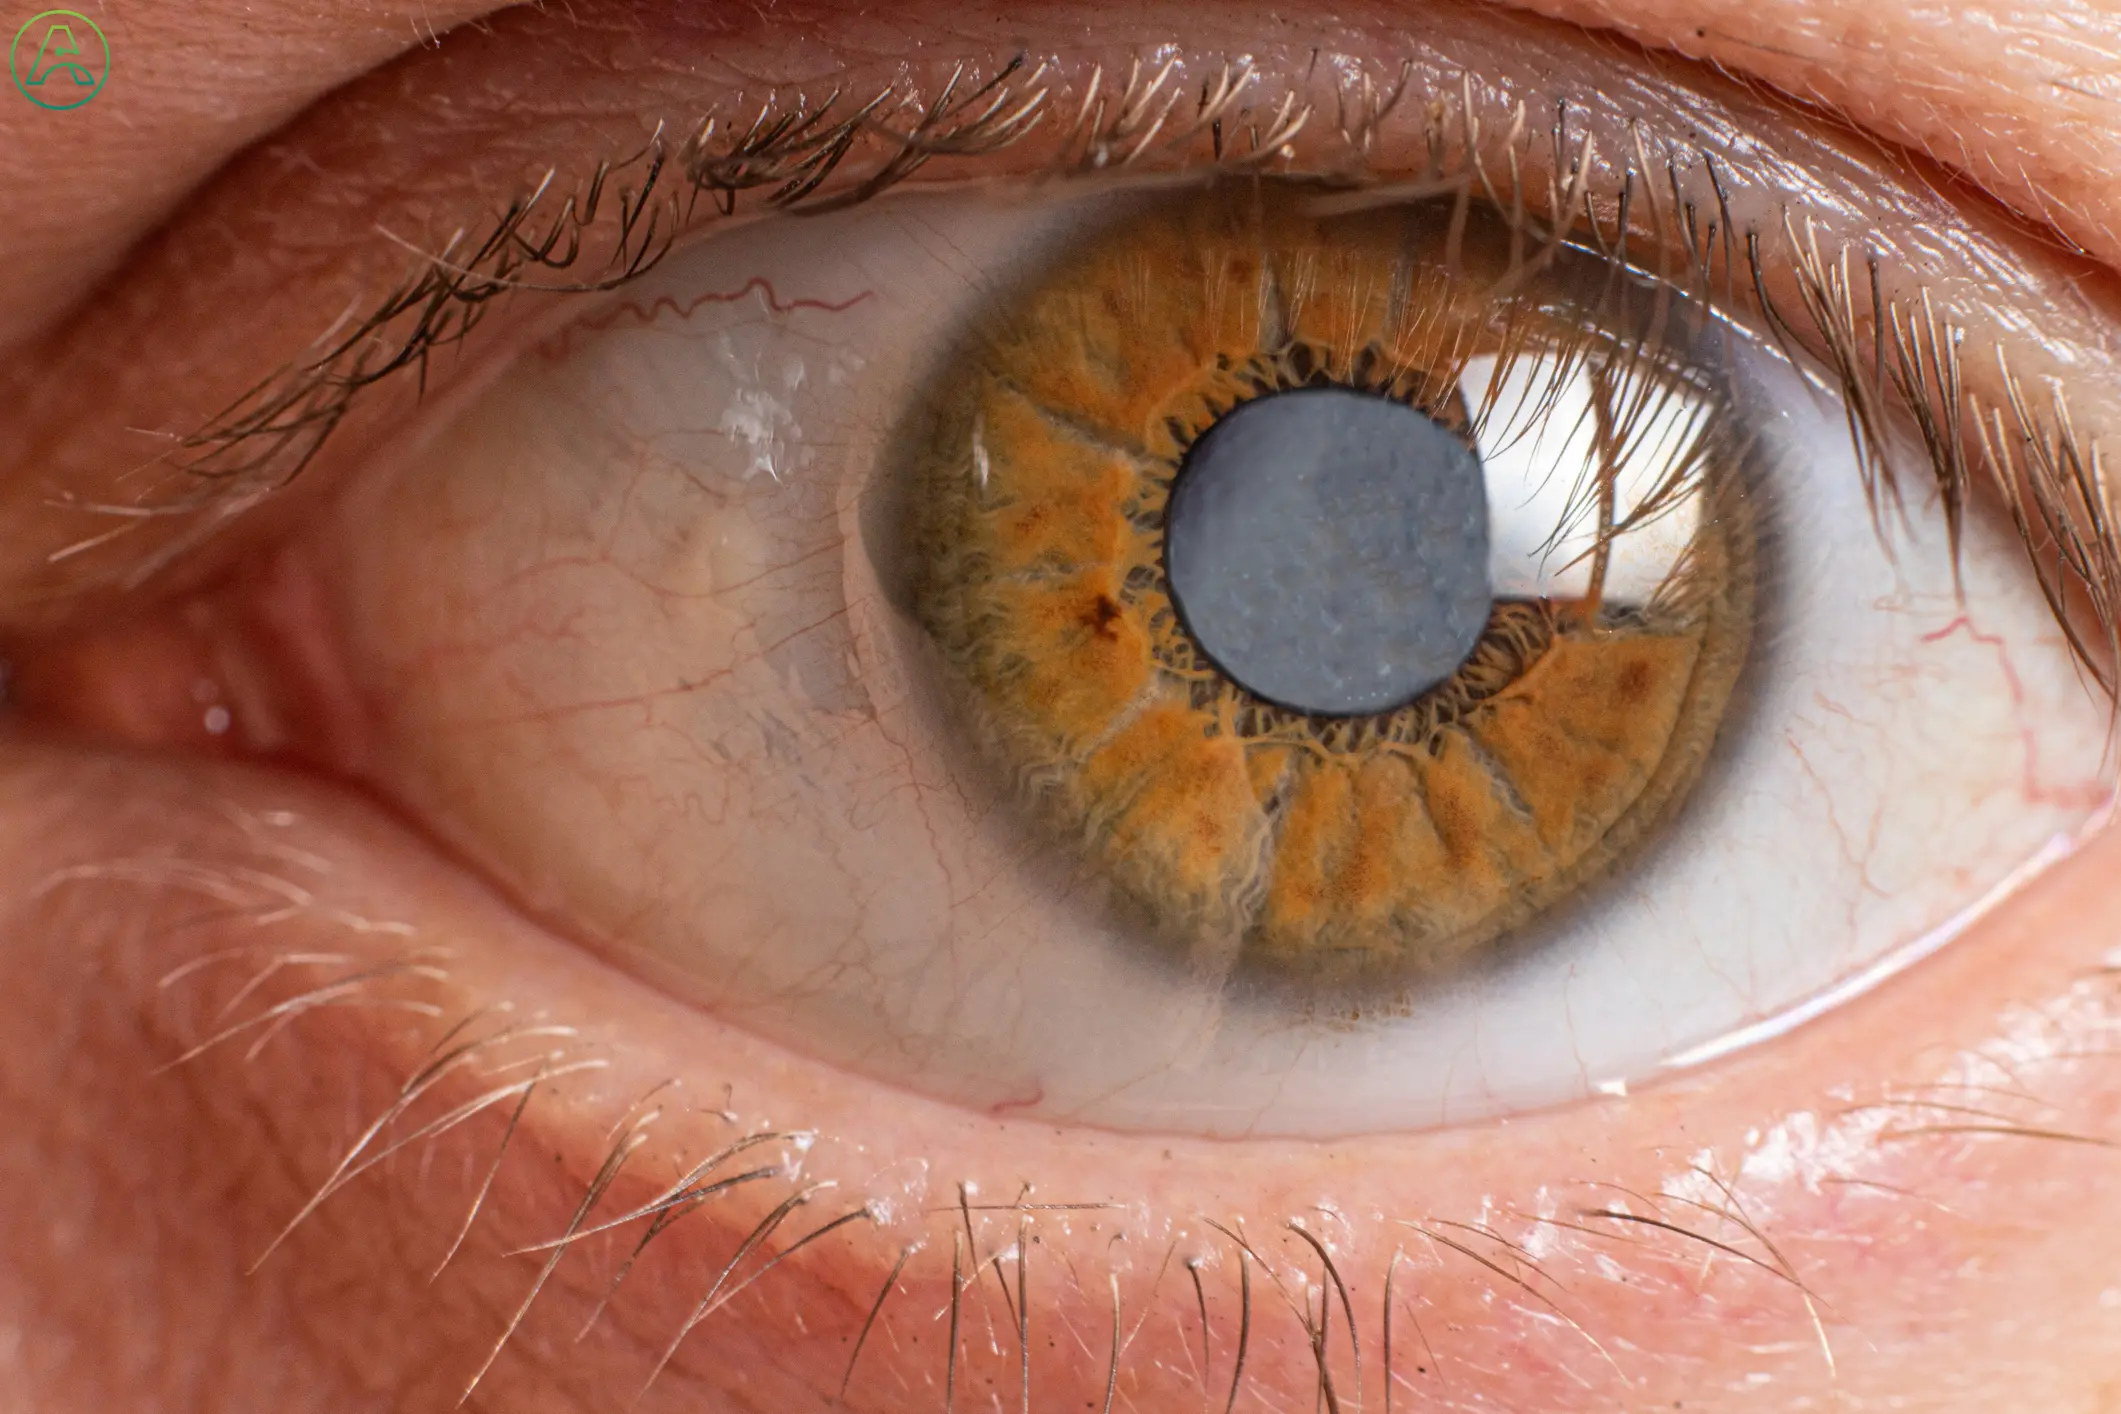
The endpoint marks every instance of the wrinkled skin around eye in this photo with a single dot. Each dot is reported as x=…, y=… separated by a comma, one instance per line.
x=1897, y=1207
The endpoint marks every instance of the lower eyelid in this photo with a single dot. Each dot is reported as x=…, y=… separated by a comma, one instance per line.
x=1822, y=1194
x=1525, y=1250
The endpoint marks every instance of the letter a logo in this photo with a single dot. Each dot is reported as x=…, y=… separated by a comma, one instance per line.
x=59, y=59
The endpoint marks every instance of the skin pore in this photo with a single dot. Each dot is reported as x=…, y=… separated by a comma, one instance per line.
x=1923, y=1232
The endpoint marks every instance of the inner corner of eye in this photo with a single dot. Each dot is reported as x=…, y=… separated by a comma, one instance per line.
x=1214, y=660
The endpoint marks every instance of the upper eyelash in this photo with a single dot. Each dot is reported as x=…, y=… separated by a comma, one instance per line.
x=795, y=154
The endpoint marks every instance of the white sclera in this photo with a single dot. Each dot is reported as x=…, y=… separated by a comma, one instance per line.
x=635, y=654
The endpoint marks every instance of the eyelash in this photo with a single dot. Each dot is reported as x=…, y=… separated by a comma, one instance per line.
x=794, y=156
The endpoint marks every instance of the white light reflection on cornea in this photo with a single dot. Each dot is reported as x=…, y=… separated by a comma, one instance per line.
x=1540, y=451
x=2059, y=847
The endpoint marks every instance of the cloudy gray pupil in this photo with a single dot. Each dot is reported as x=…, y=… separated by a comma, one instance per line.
x=1329, y=550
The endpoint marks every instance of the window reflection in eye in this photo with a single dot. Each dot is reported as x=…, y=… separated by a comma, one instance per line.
x=811, y=629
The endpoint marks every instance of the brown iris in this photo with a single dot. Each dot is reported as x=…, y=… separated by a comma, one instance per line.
x=1322, y=845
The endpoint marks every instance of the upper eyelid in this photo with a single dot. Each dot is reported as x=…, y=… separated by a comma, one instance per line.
x=286, y=413
x=2011, y=102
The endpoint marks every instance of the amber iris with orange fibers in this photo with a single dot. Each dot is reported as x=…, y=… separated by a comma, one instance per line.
x=1324, y=846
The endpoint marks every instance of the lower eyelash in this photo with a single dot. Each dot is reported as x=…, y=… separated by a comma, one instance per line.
x=965, y=1266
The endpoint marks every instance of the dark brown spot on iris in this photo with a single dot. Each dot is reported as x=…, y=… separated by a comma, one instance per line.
x=1103, y=614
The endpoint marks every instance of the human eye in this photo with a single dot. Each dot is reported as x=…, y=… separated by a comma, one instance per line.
x=640, y=873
